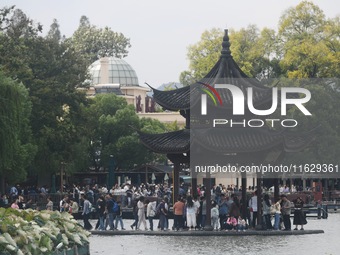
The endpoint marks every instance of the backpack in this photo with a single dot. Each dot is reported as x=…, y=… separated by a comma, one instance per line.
x=115, y=207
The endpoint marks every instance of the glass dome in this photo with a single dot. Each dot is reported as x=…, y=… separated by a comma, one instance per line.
x=119, y=71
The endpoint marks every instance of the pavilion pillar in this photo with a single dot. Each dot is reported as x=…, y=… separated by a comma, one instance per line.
x=175, y=181
x=259, y=202
x=207, y=185
x=244, y=196
x=194, y=186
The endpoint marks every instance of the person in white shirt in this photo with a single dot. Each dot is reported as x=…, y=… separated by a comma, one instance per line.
x=191, y=213
x=150, y=212
x=141, y=213
x=253, y=209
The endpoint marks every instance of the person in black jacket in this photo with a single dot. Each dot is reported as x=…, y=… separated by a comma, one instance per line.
x=101, y=213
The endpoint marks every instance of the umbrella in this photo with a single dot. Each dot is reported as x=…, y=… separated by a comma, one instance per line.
x=166, y=177
x=153, y=177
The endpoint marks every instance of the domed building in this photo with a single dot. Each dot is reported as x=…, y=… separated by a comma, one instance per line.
x=114, y=75
x=113, y=71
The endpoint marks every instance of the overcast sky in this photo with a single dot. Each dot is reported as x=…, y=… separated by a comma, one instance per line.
x=160, y=31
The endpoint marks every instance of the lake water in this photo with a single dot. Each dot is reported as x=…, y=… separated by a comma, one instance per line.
x=319, y=244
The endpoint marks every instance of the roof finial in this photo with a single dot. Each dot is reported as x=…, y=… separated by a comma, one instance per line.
x=225, y=45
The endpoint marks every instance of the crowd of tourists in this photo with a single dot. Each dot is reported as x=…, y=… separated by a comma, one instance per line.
x=150, y=202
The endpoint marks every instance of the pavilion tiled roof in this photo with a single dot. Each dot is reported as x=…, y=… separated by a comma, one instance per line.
x=225, y=71
x=173, y=142
x=234, y=140
x=227, y=140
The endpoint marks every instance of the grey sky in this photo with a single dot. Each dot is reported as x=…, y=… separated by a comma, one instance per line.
x=160, y=31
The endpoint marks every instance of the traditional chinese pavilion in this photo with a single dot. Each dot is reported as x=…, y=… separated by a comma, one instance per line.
x=237, y=145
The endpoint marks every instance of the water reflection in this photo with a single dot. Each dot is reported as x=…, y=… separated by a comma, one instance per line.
x=327, y=243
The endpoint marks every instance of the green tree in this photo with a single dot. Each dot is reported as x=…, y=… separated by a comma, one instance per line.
x=309, y=42
x=253, y=50
x=114, y=126
x=306, y=45
x=52, y=71
x=54, y=32
x=16, y=148
x=93, y=43
x=202, y=56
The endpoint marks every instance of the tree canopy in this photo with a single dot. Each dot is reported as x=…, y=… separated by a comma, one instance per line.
x=114, y=126
x=93, y=43
x=304, y=45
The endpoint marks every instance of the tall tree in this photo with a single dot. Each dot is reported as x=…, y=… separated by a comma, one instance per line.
x=54, y=32
x=52, y=71
x=113, y=126
x=306, y=45
x=93, y=43
x=254, y=51
x=308, y=42
x=202, y=56
x=16, y=148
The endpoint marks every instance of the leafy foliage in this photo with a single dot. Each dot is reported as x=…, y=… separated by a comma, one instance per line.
x=93, y=43
x=306, y=45
x=34, y=232
x=16, y=147
x=115, y=126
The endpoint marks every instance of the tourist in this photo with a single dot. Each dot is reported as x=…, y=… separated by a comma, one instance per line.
x=241, y=224
x=286, y=210
x=13, y=192
x=218, y=193
x=119, y=217
x=4, y=201
x=135, y=213
x=15, y=205
x=277, y=214
x=101, y=205
x=150, y=212
x=74, y=208
x=198, y=204
x=214, y=215
x=109, y=212
x=231, y=223
x=223, y=210
x=191, y=213
x=203, y=210
x=49, y=205
x=141, y=213
x=163, y=212
x=21, y=202
x=129, y=194
x=299, y=217
x=63, y=204
x=86, y=212
x=235, y=207
x=253, y=209
x=266, y=205
x=178, y=209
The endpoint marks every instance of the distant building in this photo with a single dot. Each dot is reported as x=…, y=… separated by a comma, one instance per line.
x=114, y=75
